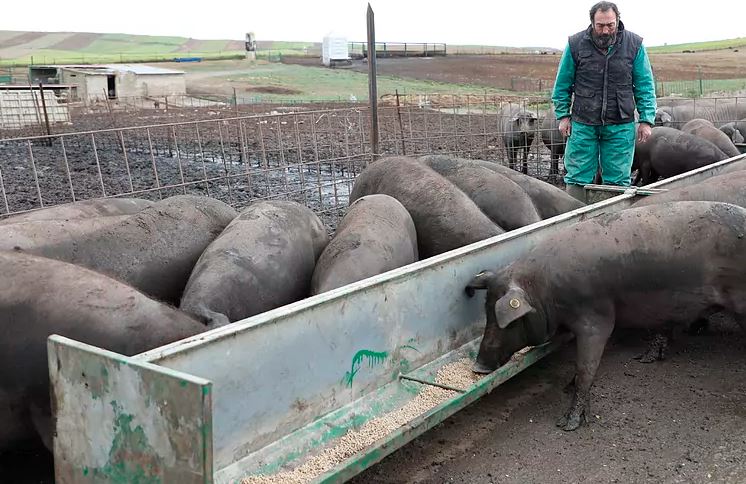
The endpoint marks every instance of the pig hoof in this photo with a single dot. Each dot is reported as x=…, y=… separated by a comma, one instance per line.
x=571, y=420
x=656, y=351
x=647, y=357
x=481, y=368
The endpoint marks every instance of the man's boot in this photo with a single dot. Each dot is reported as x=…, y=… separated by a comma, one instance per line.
x=576, y=191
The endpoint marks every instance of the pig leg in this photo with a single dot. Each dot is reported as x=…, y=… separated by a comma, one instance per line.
x=644, y=174
x=526, y=147
x=657, y=348
x=512, y=155
x=592, y=329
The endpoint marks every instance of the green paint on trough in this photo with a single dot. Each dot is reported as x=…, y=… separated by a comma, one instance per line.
x=333, y=432
x=376, y=452
x=131, y=458
x=323, y=432
x=372, y=357
x=376, y=358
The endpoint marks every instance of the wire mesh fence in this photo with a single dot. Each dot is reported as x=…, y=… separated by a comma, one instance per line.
x=21, y=108
x=303, y=153
x=698, y=87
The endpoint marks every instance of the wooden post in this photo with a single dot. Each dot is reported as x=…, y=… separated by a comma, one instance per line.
x=401, y=128
x=44, y=108
x=36, y=104
x=372, y=85
x=113, y=120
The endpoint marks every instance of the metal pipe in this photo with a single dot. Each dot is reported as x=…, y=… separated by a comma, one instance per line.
x=36, y=176
x=621, y=189
x=431, y=383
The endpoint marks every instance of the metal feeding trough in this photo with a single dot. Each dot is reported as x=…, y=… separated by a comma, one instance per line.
x=324, y=387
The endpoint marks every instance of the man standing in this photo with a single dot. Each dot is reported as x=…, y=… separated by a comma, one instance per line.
x=605, y=74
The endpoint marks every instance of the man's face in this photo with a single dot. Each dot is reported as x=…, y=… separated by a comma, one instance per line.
x=604, y=26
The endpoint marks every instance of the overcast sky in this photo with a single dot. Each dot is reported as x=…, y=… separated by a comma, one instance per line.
x=512, y=23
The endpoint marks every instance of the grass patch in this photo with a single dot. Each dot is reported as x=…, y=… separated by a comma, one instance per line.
x=111, y=48
x=322, y=84
x=736, y=43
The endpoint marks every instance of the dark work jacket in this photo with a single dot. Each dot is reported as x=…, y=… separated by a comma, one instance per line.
x=603, y=83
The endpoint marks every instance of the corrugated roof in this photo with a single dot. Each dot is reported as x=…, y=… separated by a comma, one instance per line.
x=139, y=69
x=142, y=69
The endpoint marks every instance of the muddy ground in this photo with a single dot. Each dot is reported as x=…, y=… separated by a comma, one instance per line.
x=498, y=70
x=680, y=420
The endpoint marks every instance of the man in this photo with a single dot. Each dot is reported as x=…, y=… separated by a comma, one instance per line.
x=605, y=74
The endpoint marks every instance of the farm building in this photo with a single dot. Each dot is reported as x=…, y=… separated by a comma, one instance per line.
x=114, y=81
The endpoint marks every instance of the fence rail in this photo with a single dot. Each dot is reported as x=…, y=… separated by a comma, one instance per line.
x=310, y=156
x=699, y=87
x=306, y=154
x=398, y=49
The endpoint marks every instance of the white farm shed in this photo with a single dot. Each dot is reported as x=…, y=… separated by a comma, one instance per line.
x=334, y=48
x=117, y=81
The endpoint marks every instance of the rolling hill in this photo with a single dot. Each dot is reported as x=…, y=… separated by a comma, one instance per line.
x=21, y=48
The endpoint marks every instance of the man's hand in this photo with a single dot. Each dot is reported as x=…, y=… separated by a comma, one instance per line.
x=565, y=127
x=644, y=130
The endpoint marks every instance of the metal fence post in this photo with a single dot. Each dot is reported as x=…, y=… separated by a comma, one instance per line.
x=372, y=85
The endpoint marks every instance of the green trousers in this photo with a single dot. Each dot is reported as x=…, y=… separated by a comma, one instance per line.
x=611, y=147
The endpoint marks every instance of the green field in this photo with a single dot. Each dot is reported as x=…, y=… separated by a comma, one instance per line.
x=699, y=46
x=48, y=48
x=294, y=82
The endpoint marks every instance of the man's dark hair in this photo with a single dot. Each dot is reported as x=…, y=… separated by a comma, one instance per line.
x=604, y=6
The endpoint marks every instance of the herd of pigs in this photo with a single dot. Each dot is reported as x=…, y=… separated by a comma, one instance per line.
x=686, y=136
x=130, y=275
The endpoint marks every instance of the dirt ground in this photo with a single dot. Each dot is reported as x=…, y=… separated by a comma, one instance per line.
x=497, y=70
x=676, y=421
x=679, y=420
x=505, y=71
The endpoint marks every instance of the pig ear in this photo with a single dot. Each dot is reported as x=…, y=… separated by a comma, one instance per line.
x=513, y=305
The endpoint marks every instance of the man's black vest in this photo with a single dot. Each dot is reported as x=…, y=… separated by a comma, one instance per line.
x=603, y=83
